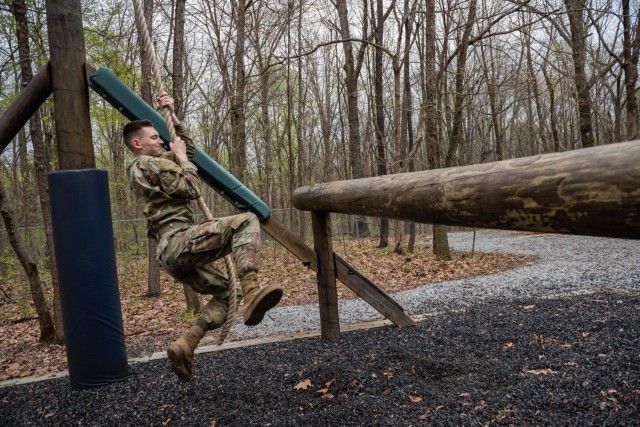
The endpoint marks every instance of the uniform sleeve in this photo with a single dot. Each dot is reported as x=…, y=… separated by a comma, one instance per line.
x=157, y=176
x=183, y=132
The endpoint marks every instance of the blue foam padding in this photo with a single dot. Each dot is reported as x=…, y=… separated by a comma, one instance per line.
x=87, y=273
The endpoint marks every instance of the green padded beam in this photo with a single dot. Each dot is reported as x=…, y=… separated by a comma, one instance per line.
x=112, y=89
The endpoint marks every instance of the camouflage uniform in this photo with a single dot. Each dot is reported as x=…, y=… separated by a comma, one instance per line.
x=186, y=250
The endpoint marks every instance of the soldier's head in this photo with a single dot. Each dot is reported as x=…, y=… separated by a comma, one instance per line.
x=142, y=138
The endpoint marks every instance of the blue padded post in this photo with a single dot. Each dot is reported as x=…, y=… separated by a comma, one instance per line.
x=86, y=261
x=111, y=88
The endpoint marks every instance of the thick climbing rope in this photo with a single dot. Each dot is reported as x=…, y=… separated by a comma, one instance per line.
x=231, y=272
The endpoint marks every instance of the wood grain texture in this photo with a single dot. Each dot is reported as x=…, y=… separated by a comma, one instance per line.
x=69, y=84
x=346, y=273
x=24, y=106
x=327, y=290
x=593, y=191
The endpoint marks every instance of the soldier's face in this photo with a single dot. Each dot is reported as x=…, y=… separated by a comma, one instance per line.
x=148, y=142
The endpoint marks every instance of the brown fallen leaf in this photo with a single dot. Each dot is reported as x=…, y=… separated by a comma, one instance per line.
x=415, y=399
x=303, y=385
x=544, y=371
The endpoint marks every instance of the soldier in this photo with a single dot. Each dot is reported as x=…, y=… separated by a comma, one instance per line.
x=167, y=182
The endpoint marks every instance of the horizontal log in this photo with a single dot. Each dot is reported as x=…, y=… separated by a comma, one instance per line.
x=592, y=191
x=24, y=106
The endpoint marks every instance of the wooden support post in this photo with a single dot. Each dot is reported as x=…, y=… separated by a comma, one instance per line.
x=24, y=106
x=346, y=273
x=327, y=291
x=69, y=82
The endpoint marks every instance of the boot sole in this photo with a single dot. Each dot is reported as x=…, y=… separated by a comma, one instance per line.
x=176, y=357
x=266, y=302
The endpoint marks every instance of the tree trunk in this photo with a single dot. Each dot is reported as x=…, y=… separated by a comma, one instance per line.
x=440, y=238
x=191, y=297
x=47, y=330
x=351, y=83
x=576, y=11
x=178, y=58
x=238, y=120
x=41, y=165
x=153, y=276
x=455, y=141
x=553, y=122
x=631, y=53
x=381, y=159
x=302, y=169
x=407, y=114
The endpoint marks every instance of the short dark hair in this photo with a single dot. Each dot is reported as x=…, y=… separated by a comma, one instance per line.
x=132, y=128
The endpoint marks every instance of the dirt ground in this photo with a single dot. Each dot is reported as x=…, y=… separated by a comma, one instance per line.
x=150, y=324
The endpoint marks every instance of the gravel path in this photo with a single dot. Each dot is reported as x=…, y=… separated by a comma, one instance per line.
x=555, y=343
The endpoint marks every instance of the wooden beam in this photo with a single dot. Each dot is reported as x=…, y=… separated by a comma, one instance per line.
x=327, y=291
x=593, y=191
x=69, y=83
x=24, y=106
x=346, y=273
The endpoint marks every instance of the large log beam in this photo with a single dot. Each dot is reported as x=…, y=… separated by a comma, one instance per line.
x=24, y=106
x=593, y=191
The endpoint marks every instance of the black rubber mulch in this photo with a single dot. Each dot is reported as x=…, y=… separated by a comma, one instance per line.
x=567, y=361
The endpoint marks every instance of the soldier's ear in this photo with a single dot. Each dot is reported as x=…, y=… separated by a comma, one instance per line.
x=135, y=144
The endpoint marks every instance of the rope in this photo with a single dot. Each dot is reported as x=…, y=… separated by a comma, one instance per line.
x=231, y=273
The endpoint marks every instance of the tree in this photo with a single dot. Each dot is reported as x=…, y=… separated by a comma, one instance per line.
x=192, y=298
x=47, y=329
x=153, y=276
x=440, y=239
x=630, y=55
x=41, y=164
x=238, y=129
x=352, y=70
x=576, y=13
x=381, y=160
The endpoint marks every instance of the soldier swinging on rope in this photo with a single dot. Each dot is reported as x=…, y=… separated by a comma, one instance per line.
x=167, y=182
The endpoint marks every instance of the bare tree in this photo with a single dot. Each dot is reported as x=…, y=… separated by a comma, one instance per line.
x=42, y=166
x=153, y=277
x=576, y=12
x=352, y=70
x=455, y=140
x=440, y=239
x=192, y=298
x=381, y=159
x=47, y=330
x=630, y=55
x=238, y=128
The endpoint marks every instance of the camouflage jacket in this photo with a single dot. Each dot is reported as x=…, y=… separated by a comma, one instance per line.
x=164, y=187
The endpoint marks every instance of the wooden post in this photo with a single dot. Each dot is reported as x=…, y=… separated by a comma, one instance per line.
x=69, y=83
x=24, y=106
x=327, y=291
x=346, y=273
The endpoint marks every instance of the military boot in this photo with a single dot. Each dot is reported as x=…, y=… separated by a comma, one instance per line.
x=180, y=352
x=258, y=301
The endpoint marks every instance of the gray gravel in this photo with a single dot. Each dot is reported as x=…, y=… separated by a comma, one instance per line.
x=555, y=343
x=567, y=265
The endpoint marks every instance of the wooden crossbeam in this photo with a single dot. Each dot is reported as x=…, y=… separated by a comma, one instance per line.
x=24, y=106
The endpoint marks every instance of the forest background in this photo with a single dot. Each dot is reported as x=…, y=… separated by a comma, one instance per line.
x=287, y=94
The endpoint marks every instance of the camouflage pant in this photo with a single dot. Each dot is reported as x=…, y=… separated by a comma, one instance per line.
x=189, y=255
